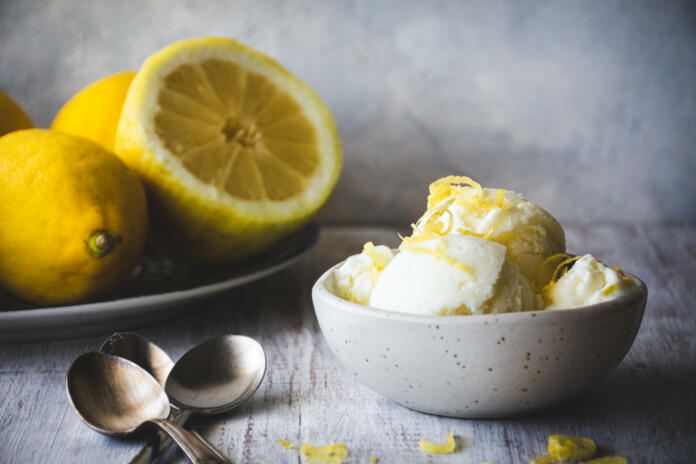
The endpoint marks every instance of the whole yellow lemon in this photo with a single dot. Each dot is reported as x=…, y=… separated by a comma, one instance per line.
x=74, y=218
x=94, y=111
x=12, y=116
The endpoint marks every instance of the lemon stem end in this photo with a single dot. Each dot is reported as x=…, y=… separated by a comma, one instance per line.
x=100, y=243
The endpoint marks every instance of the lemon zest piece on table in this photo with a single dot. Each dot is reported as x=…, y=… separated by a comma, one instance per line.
x=373, y=460
x=431, y=448
x=562, y=447
x=286, y=444
x=329, y=454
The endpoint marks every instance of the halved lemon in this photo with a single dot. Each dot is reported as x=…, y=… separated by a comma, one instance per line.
x=234, y=150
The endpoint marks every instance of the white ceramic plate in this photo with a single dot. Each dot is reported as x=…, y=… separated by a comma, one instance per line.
x=158, y=290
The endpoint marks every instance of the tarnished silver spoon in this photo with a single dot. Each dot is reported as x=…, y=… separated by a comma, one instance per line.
x=155, y=360
x=213, y=377
x=115, y=396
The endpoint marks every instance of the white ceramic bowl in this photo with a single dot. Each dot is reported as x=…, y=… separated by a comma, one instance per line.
x=483, y=366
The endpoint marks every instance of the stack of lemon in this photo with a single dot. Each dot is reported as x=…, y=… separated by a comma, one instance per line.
x=233, y=151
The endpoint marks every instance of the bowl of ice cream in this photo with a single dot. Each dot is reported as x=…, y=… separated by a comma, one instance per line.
x=478, y=366
x=479, y=313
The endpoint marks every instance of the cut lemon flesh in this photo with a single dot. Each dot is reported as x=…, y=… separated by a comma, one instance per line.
x=235, y=130
x=235, y=151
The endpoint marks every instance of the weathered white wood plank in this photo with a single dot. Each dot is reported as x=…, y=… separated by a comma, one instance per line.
x=645, y=409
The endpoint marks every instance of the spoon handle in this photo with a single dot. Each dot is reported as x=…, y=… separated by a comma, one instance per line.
x=193, y=447
x=161, y=442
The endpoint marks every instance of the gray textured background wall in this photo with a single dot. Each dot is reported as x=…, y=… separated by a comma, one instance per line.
x=587, y=107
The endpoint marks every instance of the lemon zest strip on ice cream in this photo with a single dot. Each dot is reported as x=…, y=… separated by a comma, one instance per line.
x=432, y=448
x=610, y=289
x=409, y=244
x=379, y=261
x=450, y=186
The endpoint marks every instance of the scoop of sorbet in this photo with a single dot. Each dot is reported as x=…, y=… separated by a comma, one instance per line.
x=589, y=281
x=453, y=274
x=460, y=206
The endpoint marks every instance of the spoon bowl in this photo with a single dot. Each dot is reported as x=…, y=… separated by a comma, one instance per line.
x=112, y=395
x=217, y=375
x=115, y=396
x=141, y=351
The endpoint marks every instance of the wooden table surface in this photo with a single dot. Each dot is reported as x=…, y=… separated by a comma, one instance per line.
x=644, y=410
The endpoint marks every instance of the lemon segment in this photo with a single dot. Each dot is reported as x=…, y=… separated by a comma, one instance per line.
x=204, y=122
x=94, y=111
x=235, y=151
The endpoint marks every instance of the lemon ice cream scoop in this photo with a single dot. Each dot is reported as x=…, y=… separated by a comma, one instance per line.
x=453, y=274
x=356, y=277
x=588, y=281
x=460, y=206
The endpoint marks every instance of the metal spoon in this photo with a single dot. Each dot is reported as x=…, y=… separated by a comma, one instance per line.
x=154, y=360
x=217, y=375
x=141, y=351
x=211, y=378
x=115, y=396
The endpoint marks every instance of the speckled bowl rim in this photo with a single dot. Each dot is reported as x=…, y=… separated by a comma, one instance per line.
x=631, y=299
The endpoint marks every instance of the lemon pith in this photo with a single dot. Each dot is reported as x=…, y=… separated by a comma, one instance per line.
x=74, y=217
x=235, y=152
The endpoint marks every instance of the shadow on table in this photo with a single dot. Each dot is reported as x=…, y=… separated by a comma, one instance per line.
x=630, y=395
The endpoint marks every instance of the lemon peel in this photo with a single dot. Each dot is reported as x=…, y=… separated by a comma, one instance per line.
x=563, y=447
x=378, y=260
x=432, y=448
x=450, y=186
x=96, y=209
x=12, y=116
x=438, y=252
x=568, y=449
x=286, y=444
x=332, y=453
x=561, y=269
x=610, y=289
x=94, y=111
